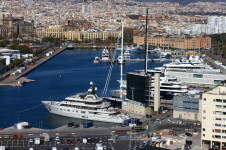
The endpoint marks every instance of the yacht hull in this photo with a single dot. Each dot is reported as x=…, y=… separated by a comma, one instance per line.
x=55, y=108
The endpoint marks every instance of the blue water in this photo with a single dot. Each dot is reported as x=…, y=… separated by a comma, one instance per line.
x=77, y=70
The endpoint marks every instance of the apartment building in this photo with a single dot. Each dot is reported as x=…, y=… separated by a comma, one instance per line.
x=185, y=43
x=56, y=31
x=214, y=118
x=76, y=34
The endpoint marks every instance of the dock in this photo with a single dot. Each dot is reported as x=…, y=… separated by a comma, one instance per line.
x=138, y=60
x=19, y=80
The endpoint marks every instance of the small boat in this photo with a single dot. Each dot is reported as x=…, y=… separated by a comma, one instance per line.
x=70, y=46
x=120, y=59
x=96, y=60
x=105, y=55
x=127, y=55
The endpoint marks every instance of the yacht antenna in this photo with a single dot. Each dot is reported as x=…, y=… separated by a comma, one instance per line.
x=146, y=36
x=121, y=63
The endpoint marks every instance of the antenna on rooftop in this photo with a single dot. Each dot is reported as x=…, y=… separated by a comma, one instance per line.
x=145, y=44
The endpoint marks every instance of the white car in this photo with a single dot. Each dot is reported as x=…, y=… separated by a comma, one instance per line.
x=183, y=136
x=31, y=141
x=164, y=111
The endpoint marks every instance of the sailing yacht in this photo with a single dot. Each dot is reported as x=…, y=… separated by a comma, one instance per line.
x=86, y=106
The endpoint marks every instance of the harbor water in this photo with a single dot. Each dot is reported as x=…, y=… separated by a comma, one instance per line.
x=66, y=74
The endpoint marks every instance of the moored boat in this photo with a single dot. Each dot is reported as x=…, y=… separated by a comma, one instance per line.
x=86, y=106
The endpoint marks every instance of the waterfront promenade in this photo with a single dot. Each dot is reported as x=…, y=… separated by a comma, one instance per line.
x=18, y=80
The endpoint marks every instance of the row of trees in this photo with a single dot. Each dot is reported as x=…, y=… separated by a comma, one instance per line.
x=219, y=44
x=23, y=48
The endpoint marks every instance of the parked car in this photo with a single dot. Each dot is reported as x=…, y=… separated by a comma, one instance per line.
x=31, y=141
x=79, y=141
x=68, y=141
x=89, y=140
x=70, y=124
x=76, y=125
x=188, y=134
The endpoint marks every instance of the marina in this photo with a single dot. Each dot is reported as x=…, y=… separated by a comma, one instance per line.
x=48, y=85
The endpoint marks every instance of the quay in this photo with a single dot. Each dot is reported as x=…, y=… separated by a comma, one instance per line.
x=19, y=80
x=78, y=46
x=138, y=60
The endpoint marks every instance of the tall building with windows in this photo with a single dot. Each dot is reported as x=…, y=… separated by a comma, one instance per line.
x=56, y=31
x=214, y=118
x=181, y=43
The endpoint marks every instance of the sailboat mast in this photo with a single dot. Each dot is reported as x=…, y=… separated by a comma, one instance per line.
x=121, y=75
x=111, y=51
x=146, y=36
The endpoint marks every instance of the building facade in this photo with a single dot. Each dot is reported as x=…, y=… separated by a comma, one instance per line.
x=214, y=118
x=56, y=31
x=63, y=33
x=15, y=26
x=185, y=43
x=186, y=107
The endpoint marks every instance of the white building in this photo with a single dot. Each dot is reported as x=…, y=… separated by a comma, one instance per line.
x=216, y=24
x=214, y=118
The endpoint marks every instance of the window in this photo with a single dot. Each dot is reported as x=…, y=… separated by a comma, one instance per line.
x=203, y=135
x=197, y=76
x=217, y=125
x=203, y=129
x=217, y=82
x=204, y=99
x=217, y=130
x=218, y=106
x=83, y=112
x=204, y=117
x=217, y=118
x=218, y=112
x=217, y=136
x=223, y=137
x=218, y=100
x=68, y=110
x=224, y=100
x=204, y=111
x=204, y=105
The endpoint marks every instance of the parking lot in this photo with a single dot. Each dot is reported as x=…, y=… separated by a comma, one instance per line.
x=106, y=141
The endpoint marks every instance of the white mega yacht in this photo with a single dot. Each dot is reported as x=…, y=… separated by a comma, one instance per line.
x=86, y=106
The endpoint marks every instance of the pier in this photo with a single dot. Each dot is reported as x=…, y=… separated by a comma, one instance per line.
x=138, y=60
x=19, y=80
x=100, y=46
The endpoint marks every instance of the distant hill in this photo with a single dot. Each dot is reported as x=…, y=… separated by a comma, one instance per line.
x=182, y=2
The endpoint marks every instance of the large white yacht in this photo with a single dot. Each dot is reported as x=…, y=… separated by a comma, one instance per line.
x=86, y=106
x=193, y=70
x=105, y=54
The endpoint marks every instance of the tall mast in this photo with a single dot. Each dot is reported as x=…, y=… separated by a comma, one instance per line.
x=146, y=36
x=121, y=75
